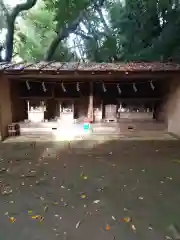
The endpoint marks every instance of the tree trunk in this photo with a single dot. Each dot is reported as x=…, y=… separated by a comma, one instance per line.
x=54, y=44
x=9, y=39
x=11, y=18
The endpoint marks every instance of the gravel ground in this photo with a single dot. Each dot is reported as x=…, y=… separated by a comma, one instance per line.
x=115, y=190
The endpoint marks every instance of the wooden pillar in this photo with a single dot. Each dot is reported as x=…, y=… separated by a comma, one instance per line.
x=19, y=105
x=28, y=105
x=60, y=108
x=90, y=107
x=5, y=106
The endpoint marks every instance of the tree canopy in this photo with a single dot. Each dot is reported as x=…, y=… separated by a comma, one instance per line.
x=93, y=30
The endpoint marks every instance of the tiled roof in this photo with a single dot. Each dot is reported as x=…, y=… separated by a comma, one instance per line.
x=96, y=67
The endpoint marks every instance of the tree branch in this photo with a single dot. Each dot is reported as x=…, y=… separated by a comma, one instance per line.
x=23, y=7
x=83, y=35
x=10, y=25
x=91, y=30
x=107, y=29
x=64, y=32
x=3, y=7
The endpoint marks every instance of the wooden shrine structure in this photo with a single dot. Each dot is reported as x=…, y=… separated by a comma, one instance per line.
x=49, y=91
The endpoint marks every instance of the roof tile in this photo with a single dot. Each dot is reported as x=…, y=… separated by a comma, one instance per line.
x=76, y=66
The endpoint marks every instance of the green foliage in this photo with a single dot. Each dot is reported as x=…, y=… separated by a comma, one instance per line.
x=65, y=10
x=143, y=31
x=34, y=34
x=3, y=11
x=138, y=30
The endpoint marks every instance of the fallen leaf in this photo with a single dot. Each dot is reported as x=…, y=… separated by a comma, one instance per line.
x=65, y=204
x=38, y=217
x=100, y=189
x=83, y=196
x=169, y=178
x=150, y=227
x=78, y=224
x=89, y=213
x=41, y=219
x=127, y=219
x=45, y=208
x=12, y=219
x=133, y=227
x=35, y=217
x=7, y=190
x=107, y=227
x=168, y=238
x=30, y=212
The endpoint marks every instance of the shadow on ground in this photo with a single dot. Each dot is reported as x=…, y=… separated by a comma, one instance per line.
x=60, y=182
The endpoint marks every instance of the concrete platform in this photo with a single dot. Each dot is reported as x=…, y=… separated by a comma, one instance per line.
x=117, y=128
x=141, y=135
x=124, y=130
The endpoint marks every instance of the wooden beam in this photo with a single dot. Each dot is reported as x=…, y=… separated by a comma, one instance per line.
x=37, y=97
x=138, y=99
x=89, y=76
x=5, y=107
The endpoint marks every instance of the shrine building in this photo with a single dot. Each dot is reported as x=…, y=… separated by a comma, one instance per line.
x=48, y=94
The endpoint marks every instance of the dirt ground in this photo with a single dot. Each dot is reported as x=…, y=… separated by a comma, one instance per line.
x=83, y=191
